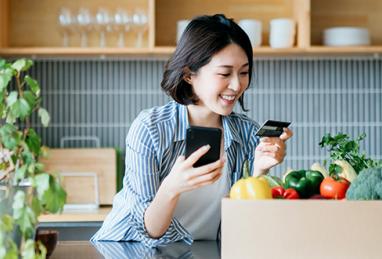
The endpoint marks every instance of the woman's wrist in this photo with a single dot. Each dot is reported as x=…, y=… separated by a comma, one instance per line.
x=167, y=191
x=258, y=171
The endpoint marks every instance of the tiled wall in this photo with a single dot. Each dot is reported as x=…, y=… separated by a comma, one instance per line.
x=100, y=98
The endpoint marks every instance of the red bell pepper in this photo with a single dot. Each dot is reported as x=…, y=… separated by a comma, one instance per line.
x=278, y=192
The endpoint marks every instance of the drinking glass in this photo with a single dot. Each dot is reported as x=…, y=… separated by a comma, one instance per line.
x=103, y=21
x=122, y=21
x=84, y=23
x=140, y=25
x=66, y=21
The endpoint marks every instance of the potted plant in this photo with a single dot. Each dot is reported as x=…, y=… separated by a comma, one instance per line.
x=26, y=189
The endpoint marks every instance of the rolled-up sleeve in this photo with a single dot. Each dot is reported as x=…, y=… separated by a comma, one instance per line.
x=141, y=182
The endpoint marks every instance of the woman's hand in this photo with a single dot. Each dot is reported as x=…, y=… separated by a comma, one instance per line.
x=183, y=177
x=270, y=152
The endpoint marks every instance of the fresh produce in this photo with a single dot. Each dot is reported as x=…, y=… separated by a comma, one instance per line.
x=334, y=188
x=272, y=180
x=278, y=192
x=341, y=147
x=288, y=171
x=305, y=182
x=347, y=171
x=250, y=188
x=318, y=167
x=367, y=186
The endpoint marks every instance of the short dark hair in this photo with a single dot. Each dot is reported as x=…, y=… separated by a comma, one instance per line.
x=203, y=37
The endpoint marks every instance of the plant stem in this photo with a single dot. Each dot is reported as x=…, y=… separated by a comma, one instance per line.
x=21, y=93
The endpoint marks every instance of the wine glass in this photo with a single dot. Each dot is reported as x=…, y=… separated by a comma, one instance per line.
x=103, y=21
x=66, y=21
x=122, y=21
x=140, y=25
x=84, y=22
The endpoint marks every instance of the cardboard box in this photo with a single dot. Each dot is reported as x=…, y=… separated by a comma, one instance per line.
x=295, y=229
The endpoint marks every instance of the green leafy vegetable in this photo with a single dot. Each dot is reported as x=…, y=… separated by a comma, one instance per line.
x=342, y=147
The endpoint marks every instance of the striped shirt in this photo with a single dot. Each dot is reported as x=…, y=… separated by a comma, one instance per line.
x=155, y=139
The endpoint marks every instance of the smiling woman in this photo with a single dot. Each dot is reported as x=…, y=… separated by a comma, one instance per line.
x=165, y=198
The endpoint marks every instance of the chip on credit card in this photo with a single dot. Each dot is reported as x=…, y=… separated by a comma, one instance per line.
x=272, y=128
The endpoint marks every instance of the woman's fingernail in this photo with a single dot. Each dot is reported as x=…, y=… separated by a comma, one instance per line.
x=207, y=146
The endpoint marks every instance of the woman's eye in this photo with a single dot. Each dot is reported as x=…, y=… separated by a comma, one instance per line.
x=225, y=75
x=244, y=73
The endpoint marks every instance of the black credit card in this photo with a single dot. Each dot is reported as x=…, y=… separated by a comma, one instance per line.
x=272, y=128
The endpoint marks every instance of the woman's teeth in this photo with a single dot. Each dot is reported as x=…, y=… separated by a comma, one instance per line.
x=228, y=97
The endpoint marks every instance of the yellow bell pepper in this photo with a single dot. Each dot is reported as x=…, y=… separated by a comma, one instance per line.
x=250, y=188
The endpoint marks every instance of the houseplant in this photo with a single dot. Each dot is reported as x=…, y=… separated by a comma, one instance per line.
x=27, y=190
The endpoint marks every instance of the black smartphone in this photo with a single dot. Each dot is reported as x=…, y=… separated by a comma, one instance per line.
x=197, y=137
x=272, y=128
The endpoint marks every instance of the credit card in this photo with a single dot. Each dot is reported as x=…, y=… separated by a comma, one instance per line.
x=272, y=128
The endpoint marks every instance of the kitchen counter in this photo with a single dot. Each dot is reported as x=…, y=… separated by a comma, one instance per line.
x=76, y=216
x=131, y=250
x=74, y=224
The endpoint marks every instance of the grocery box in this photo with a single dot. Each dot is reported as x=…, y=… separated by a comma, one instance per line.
x=325, y=229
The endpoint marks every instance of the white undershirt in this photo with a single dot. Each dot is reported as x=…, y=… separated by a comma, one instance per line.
x=199, y=211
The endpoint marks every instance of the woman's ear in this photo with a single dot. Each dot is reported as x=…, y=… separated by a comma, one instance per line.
x=187, y=73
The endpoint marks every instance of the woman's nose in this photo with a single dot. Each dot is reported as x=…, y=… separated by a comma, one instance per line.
x=234, y=84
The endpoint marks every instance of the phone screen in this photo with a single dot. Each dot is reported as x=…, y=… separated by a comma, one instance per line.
x=200, y=136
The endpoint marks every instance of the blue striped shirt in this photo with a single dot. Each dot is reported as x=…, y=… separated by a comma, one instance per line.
x=155, y=139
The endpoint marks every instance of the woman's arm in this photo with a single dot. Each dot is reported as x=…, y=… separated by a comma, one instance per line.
x=158, y=215
x=182, y=178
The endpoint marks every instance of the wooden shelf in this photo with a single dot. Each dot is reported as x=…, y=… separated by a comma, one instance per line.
x=165, y=52
x=29, y=28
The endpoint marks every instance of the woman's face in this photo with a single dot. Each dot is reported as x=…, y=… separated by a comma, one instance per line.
x=221, y=82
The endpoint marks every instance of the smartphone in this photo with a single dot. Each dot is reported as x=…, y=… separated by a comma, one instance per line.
x=272, y=128
x=197, y=137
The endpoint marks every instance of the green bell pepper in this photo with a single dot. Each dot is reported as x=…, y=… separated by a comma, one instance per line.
x=305, y=182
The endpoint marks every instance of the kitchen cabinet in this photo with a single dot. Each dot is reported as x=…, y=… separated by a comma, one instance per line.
x=30, y=27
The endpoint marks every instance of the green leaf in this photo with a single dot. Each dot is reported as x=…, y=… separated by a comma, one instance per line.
x=23, y=214
x=36, y=206
x=6, y=223
x=27, y=155
x=2, y=63
x=42, y=250
x=31, y=168
x=22, y=64
x=30, y=98
x=28, y=250
x=5, y=77
x=44, y=115
x=20, y=173
x=33, y=84
x=33, y=141
x=9, y=251
x=50, y=192
x=9, y=136
x=12, y=98
x=42, y=184
x=24, y=108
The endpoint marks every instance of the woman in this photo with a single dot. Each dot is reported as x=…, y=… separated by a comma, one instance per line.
x=164, y=198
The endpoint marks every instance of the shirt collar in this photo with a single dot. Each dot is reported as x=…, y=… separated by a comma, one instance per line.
x=182, y=122
x=230, y=131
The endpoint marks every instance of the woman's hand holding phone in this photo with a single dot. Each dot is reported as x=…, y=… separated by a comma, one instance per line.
x=270, y=152
x=184, y=177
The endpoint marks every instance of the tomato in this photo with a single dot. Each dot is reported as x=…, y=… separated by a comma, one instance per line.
x=334, y=189
x=278, y=192
x=291, y=194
